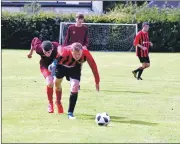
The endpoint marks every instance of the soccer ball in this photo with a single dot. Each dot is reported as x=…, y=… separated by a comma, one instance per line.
x=102, y=119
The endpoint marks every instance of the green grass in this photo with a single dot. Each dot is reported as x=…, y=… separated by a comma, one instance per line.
x=140, y=111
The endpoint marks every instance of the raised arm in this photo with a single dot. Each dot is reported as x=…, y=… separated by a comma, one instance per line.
x=35, y=45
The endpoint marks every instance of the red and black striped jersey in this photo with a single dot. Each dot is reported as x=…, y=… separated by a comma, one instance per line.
x=142, y=38
x=68, y=61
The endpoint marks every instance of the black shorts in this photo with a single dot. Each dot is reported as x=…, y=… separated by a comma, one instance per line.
x=144, y=59
x=73, y=72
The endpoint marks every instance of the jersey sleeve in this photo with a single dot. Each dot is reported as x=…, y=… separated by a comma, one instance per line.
x=92, y=65
x=136, y=40
x=56, y=44
x=36, y=44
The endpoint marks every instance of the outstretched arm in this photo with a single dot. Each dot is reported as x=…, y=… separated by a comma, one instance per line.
x=29, y=55
x=93, y=67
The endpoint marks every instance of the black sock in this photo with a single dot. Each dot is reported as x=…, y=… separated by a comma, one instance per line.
x=72, y=102
x=140, y=73
x=136, y=70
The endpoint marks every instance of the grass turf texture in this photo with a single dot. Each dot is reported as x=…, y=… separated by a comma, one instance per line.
x=140, y=111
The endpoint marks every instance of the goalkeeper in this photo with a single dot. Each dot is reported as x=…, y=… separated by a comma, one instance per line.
x=77, y=32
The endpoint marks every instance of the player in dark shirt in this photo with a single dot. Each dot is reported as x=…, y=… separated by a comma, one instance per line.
x=69, y=64
x=77, y=32
x=47, y=51
x=142, y=44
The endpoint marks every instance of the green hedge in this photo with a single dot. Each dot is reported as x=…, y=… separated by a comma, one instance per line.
x=19, y=28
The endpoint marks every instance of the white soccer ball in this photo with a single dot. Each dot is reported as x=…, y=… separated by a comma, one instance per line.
x=102, y=119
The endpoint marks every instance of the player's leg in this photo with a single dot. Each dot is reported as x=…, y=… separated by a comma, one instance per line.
x=139, y=69
x=75, y=83
x=145, y=64
x=73, y=97
x=58, y=90
x=49, y=88
x=59, y=74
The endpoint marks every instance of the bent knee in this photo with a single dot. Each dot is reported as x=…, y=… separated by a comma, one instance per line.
x=143, y=65
x=58, y=84
x=49, y=81
x=74, y=85
x=50, y=85
x=58, y=88
x=147, y=65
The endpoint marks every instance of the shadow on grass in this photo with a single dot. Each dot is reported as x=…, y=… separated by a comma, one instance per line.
x=121, y=91
x=164, y=80
x=118, y=91
x=118, y=119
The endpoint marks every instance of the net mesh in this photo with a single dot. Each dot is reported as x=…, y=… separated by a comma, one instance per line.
x=106, y=37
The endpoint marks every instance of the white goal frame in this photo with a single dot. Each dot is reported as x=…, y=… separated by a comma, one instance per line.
x=64, y=23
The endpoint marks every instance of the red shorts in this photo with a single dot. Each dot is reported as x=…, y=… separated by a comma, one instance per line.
x=45, y=72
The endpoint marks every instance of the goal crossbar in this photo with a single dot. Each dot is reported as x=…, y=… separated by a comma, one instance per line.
x=65, y=24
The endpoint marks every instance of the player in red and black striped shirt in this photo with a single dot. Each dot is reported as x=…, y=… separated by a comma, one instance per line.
x=142, y=44
x=70, y=62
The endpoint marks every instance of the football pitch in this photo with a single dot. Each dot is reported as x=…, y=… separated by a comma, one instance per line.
x=140, y=111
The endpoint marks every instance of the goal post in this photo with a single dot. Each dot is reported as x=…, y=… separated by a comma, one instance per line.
x=106, y=36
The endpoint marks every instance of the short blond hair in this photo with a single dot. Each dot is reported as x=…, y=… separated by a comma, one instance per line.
x=76, y=46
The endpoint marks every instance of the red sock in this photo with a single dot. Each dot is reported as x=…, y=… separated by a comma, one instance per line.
x=58, y=96
x=50, y=94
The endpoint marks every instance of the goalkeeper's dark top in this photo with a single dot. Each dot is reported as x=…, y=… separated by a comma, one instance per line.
x=76, y=34
x=142, y=38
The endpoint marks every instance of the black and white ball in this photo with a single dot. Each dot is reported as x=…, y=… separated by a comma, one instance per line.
x=102, y=119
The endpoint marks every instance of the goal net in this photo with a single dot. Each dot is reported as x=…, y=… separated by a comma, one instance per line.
x=106, y=36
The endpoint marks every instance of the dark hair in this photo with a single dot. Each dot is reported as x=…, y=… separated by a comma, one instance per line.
x=47, y=45
x=80, y=16
x=144, y=23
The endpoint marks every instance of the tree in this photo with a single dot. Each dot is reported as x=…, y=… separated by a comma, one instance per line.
x=32, y=8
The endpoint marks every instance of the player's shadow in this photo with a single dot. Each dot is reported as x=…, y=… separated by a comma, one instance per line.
x=165, y=80
x=126, y=91
x=118, y=119
x=118, y=91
